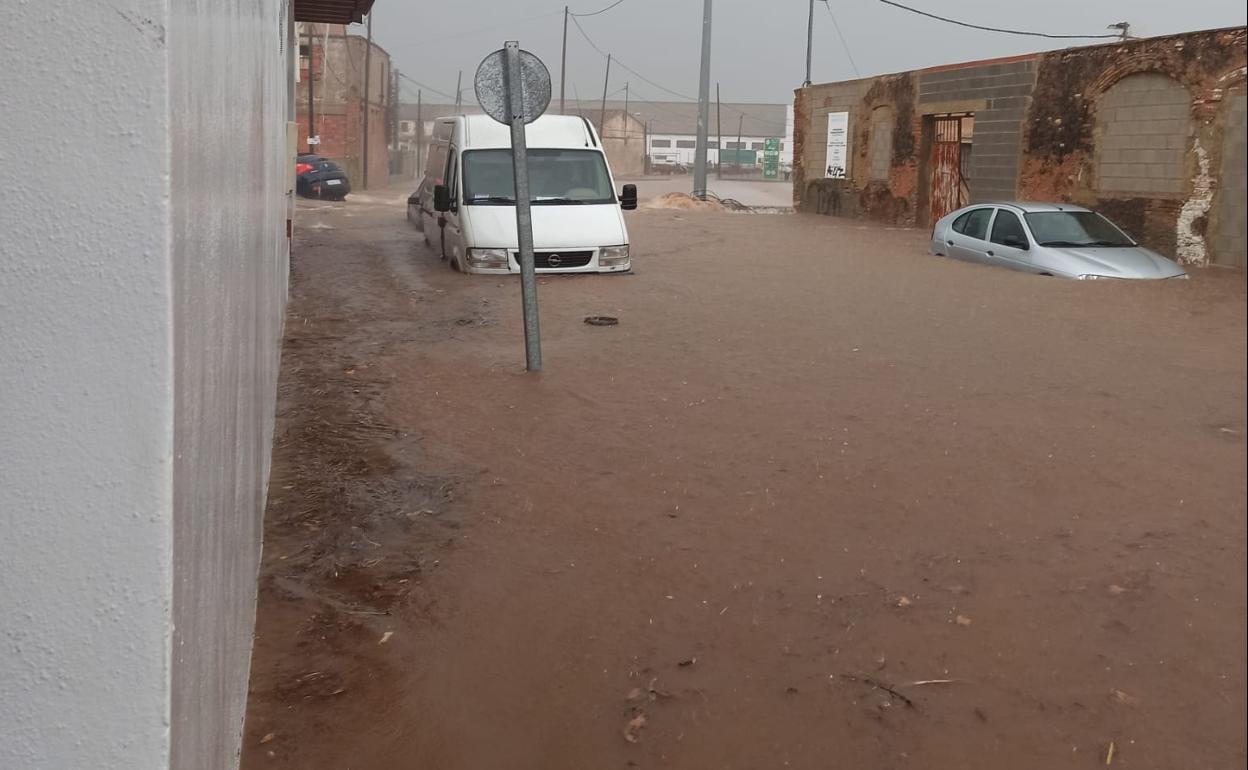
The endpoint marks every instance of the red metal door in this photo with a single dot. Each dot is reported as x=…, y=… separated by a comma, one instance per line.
x=948, y=192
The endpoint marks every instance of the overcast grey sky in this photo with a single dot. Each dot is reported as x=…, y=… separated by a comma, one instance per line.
x=759, y=47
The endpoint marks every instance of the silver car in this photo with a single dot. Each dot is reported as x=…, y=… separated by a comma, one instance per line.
x=1047, y=239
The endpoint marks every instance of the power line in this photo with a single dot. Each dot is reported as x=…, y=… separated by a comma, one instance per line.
x=414, y=81
x=844, y=44
x=994, y=29
x=663, y=106
x=595, y=13
x=616, y=60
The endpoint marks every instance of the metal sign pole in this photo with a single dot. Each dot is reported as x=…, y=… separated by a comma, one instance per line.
x=513, y=84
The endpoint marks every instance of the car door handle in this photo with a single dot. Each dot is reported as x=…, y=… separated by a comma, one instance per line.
x=991, y=254
x=948, y=243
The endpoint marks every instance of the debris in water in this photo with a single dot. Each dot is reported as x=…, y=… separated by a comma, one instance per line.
x=879, y=685
x=632, y=730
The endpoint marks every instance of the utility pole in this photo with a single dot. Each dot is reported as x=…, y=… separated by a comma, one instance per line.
x=626, y=104
x=368, y=94
x=810, y=40
x=420, y=132
x=602, y=114
x=459, y=92
x=719, y=135
x=645, y=166
x=392, y=111
x=311, y=89
x=704, y=105
x=563, y=61
x=740, y=147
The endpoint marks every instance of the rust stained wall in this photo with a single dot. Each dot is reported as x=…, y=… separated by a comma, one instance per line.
x=856, y=195
x=1060, y=135
x=801, y=129
x=811, y=191
x=1038, y=136
x=893, y=201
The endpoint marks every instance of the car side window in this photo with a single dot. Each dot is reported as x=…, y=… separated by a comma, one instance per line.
x=1007, y=229
x=452, y=174
x=973, y=224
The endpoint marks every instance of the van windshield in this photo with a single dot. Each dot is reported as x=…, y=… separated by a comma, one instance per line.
x=556, y=177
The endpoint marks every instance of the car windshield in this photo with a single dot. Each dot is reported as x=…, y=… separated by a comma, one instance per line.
x=556, y=177
x=1075, y=228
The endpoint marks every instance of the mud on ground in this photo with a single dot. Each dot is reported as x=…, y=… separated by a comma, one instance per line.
x=817, y=501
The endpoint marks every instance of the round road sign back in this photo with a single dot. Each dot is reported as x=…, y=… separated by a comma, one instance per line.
x=492, y=95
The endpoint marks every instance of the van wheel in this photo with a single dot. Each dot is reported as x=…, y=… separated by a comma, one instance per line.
x=454, y=263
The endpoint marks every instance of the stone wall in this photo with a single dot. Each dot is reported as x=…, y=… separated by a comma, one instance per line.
x=1134, y=129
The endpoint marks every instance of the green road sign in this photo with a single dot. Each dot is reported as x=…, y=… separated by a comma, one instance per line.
x=771, y=158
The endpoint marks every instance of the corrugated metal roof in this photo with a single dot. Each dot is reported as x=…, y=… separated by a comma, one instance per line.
x=332, y=11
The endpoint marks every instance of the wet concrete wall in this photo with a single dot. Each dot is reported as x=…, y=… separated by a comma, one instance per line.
x=229, y=258
x=141, y=297
x=86, y=389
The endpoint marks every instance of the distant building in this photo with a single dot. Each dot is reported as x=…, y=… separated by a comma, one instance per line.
x=331, y=102
x=624, y=140
x=426, y=115
x=672, y=130
x=669, y=129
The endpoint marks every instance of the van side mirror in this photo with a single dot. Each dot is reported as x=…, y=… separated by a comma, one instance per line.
x=441, y=198
x=628, y=197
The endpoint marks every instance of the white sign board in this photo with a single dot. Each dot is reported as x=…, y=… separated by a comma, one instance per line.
x=838, y=145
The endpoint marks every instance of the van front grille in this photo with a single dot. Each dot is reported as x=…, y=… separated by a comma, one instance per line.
x=551, y=260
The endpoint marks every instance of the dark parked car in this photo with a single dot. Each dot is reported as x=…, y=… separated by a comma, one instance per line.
x=319, y=177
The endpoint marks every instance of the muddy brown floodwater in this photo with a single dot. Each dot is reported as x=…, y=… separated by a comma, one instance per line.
x=817, y=501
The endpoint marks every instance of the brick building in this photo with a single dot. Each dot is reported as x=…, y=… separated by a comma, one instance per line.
x=332, y=64
x=1150, y=132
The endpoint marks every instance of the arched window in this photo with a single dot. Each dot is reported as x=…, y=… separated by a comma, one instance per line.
x=1143, y=124
x=880, y=143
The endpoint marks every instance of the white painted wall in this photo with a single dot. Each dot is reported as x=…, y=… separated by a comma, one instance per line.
x=228, y=185
x=142, y=282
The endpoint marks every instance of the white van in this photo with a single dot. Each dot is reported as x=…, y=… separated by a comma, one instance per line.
x=578, y=225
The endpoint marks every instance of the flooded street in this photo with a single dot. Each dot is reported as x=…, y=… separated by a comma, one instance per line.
x=819, y=500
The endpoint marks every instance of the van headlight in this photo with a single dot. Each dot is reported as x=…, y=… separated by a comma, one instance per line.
x=611, y=256
x=488, y=258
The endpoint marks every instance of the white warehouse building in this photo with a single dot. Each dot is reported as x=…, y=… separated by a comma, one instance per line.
x=672, y=128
